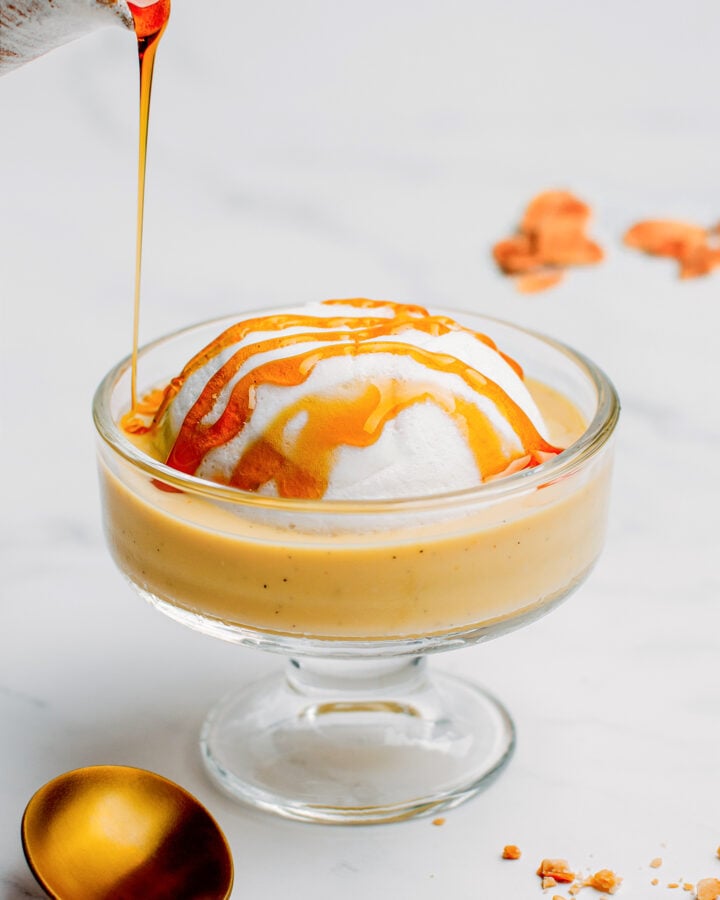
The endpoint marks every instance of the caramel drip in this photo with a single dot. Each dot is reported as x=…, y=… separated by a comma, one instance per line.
x=360, y=328
x=196, y=439
x=302, y=468
x=150, y=23
x=365, y=303
x=414, y=310
x=452, y=325
x=282, y=322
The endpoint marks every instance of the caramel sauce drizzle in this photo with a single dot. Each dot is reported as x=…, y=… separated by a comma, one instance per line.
x=301, y=467
x=404, y=316
x=150, y=23
x=327, y=429
x=356, y=423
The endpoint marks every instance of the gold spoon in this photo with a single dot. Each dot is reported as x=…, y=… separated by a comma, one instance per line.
x=117, y=832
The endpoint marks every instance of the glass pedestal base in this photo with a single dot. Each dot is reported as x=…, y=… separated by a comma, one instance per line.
x=356, y=741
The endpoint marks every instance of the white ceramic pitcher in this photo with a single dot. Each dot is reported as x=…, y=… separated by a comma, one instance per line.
x=30, y=28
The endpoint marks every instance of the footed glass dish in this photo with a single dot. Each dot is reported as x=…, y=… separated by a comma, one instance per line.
x=356, y=594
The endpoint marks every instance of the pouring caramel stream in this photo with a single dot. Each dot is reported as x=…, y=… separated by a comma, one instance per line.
x=150, y=23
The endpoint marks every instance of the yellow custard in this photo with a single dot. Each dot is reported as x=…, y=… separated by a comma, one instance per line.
x=406, y=574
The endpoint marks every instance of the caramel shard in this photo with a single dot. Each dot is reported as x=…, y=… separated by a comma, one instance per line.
x=549, y=239
x=554, y=205
x=660, y=237
x=699, y=261
x=516, y=255
x=557, y=869
x=605, y=880
x=510, y=851
x=695, y=248
x=708, y=889
x=534, y=282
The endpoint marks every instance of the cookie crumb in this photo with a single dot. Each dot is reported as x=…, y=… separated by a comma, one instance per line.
x=708, y=889
x=556, y=869
x=604, y=880
x=688, y=887
x=656, y=863
x=510, y=851
x=655, y=881
x=439, y=821
x=673, y=884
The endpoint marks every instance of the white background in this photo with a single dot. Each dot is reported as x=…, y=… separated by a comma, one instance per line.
x=306, y=150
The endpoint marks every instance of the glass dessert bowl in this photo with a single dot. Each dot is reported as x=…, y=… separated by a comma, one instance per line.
x=357, y=592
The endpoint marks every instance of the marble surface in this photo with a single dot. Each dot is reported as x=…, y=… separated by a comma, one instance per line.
x=325, y=149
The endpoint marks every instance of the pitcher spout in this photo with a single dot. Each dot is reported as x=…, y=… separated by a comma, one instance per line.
x=29, y=28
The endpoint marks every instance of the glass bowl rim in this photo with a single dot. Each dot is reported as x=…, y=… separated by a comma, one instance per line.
x=595, y=436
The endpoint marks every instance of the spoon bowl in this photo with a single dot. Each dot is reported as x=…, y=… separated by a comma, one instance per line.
x=118, y=832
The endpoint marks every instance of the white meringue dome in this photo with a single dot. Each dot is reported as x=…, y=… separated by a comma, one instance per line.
x=352, y=400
